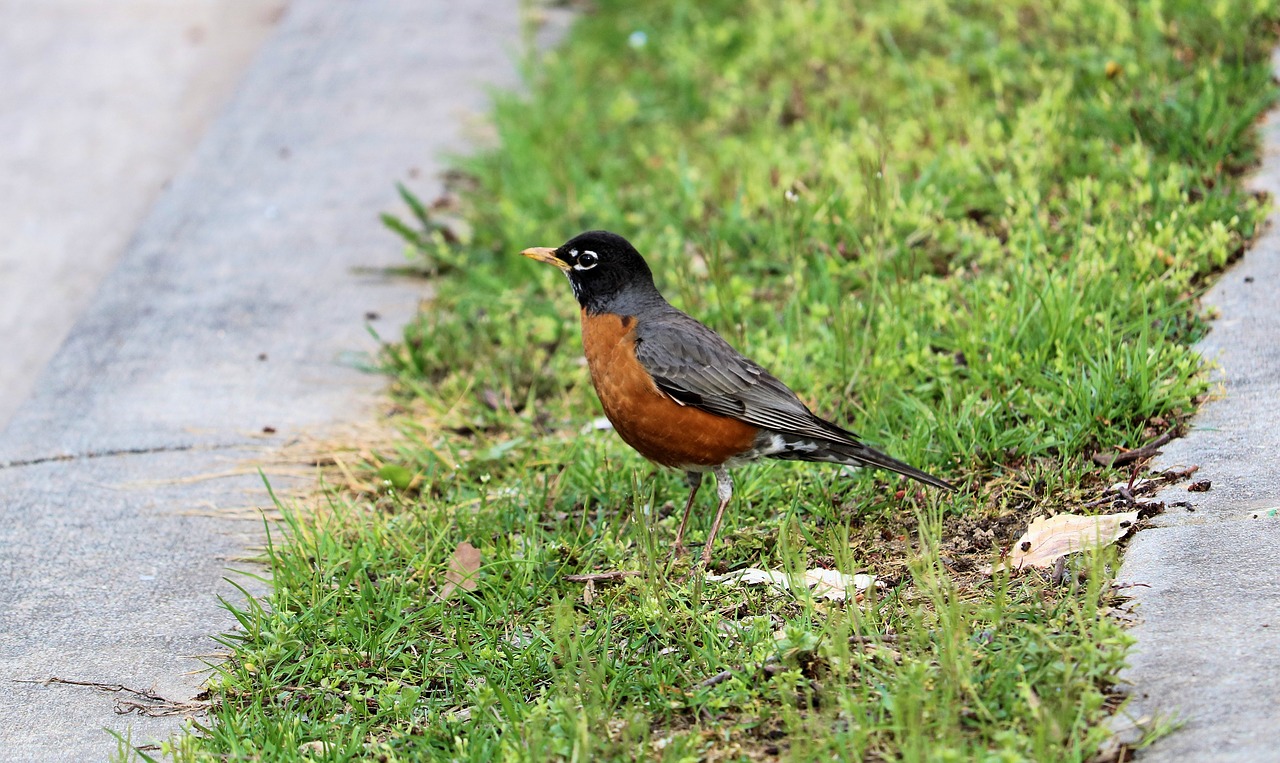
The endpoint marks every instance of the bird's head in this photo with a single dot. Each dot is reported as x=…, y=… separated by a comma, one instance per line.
x=605, y=270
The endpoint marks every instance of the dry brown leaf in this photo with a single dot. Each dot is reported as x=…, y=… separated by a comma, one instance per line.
x=462, y=569
x=1048, y=539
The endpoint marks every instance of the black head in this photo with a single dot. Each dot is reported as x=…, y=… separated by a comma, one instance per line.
x=605, y=270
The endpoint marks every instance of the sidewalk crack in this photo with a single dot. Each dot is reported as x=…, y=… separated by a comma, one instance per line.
x=141, y=451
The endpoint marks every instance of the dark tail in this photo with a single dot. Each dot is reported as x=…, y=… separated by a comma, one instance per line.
x=852, y=454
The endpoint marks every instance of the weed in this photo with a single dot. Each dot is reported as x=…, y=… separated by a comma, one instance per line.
x=974, y=232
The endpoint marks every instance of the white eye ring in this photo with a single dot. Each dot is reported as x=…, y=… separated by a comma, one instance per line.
x=586, y=261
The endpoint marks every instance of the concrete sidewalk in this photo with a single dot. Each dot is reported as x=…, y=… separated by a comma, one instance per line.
x=225, y=331
x=1208, y=652
x=100, y=105
x=236, y=308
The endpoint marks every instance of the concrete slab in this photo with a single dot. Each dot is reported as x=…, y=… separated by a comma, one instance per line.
x=236, y=306
x=100, y=103
x=1208, y=651
x=1209, y=638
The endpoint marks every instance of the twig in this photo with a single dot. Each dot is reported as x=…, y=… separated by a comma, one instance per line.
x=718, y=678
x=1146, y=451
x=1118, y=586
x=148, y=703
x=602, y=577
x=1133, y=477
x=1059, y=575
x=1128, y=493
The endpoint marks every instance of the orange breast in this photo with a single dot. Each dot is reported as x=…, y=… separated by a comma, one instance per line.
x=647, y=419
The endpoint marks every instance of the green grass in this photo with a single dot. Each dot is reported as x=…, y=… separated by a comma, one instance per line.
x=973, y=232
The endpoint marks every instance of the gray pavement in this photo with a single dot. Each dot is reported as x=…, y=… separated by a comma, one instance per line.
x=1208, y=651
x=100, y=103
x=236, y=306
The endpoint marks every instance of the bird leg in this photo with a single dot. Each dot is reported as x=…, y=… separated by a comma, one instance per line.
x=695, y=481
x=724, y=489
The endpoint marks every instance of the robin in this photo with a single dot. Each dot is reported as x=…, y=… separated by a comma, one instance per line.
x=678, y=393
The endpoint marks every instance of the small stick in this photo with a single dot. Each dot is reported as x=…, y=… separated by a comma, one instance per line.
x=718, y=678
x=1146, y=451
x=1118, y=586
x=92, y=684
x=1174, y=476
x=151, y=705
x=1059, y=571
x=1129, y=493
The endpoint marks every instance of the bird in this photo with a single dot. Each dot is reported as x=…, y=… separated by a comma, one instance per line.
x=678, y=393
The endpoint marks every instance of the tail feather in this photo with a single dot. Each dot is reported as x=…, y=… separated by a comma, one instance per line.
x=851, y=454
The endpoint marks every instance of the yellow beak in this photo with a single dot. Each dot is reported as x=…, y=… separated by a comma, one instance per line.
x=546, y=254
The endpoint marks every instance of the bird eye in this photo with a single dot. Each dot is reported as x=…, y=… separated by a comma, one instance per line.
x=586, y=261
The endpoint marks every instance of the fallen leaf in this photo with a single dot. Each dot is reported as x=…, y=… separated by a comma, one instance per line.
x=462, y=569
x=826, y=584
x=1048, y=539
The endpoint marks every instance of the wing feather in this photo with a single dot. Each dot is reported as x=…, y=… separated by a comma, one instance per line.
x=696, y=367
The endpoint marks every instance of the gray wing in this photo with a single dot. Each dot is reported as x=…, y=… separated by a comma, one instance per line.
x=692, y=364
